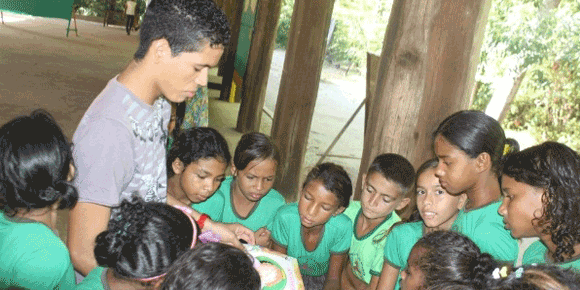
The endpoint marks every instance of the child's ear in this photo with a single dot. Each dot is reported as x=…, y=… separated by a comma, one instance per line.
x=462, y=201
x=483, y=162
x=177, y=166
x=404, y=202
x=234, y=170
x=339, y=211
x=160, y=49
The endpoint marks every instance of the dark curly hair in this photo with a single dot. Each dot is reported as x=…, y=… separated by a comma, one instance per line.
x=555, y=168
x=143, y=239
x=212, y=266
x=453, y=258
x=539, y=277
x=474, y=133
x=188, y=25
x=334, y=178
x=198, y=143
x=35, y=159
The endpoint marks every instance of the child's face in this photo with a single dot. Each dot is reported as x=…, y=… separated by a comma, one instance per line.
x=380, y=196
x=437, y=208
x=317, y=205
x=412, y=277
x=456, y=170
x=256, y=179
x=180, y=76
x=200, y=179
x=522, y=203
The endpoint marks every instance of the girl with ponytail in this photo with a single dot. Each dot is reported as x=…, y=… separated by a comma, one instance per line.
x=141, y=242
x=36, y=167
x=469, y=146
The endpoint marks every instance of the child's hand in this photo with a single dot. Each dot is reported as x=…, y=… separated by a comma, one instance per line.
x=262, y=236
x=242, y=233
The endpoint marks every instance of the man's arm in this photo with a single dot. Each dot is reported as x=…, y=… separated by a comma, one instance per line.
x=86, y=221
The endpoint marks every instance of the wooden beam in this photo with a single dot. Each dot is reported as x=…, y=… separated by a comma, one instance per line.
x=299, y=88
x=426, y=73
x=258, y=68
x=233, y=10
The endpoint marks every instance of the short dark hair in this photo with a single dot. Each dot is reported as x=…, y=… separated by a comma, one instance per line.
x=334, y=178
x=254, y=146
x=143, y=239
x=395, y=168
x=474, y=133
x=555, y=168
x=212, y=266
x=35, y=159
x=188, y=25
x=453, y=258
x=198, y=143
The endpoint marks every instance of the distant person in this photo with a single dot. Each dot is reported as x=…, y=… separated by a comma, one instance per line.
x=130, y=6
x=120, y=143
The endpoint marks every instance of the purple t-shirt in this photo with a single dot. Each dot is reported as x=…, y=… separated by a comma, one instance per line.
x=119, y=148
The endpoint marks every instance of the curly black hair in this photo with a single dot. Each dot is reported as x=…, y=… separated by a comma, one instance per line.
x=143, y=239
x=188, y=25
x=539, y=277
x=453, y=258
x=35, y=163
x=555, y=168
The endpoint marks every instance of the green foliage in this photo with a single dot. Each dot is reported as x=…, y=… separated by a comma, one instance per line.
x=360, y=28
x=484, y=93
x=98, y=7
x=524, y=35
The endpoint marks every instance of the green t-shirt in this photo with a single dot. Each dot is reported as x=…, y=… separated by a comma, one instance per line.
x=399, y=244
x=32, y=256
x=537, y=253
x=213, y=206
x=287, y=231
x=260, y=216
x=95, y=280
x=365, y=252
x=485, y=227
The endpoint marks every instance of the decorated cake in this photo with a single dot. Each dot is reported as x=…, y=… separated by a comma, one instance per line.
x=277, y=271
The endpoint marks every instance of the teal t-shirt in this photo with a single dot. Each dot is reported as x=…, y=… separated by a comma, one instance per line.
x=365, y=254
x=213, y=206
x=287, y=231
x=485, y=227
x=537, y=253
x=32, y=256
x=260, y=216
x=95, y=280
x=399, y=244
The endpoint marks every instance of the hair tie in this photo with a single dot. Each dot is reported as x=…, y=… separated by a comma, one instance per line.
x=506, y=149
x=500, y=273
x=519, y=272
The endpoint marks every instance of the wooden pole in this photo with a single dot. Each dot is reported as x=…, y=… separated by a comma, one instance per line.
x=233, y=10
x=258, y=69
x=299, y=88
x=426, y=73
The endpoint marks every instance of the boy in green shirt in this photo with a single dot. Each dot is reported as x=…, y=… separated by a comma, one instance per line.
x=387, y=187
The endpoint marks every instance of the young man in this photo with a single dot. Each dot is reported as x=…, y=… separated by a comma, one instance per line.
x=119, y=145
x=130, y=6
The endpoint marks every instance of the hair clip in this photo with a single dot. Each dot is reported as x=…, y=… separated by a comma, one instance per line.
x=499, y=273
x=519, y=272
x=506, y=149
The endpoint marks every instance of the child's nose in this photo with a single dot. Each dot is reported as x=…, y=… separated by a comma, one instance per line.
x=502, y=208
x=202, y=77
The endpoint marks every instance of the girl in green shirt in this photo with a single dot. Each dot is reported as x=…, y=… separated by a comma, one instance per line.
x=36, y=167
x=541, y=199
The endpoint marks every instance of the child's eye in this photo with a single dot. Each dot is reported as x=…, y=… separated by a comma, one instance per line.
x=202, y=176
x=420, y=192
x=307, y=197
x=326, y=208
x=386, y=200
x=250, y=177
x=439, y=192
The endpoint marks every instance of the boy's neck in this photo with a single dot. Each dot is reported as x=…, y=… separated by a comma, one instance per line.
x=485, y=191
x=366, y=225
x=139, y=78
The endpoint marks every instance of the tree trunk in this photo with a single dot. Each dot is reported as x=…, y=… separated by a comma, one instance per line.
x=258, y=69
x=426, y=73
x=233, y=10
x=299, y=88
x=512, y=95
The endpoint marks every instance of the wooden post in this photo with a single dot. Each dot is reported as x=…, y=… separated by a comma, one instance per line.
x=299, y=88
x=233, y=10
x=258, y=69
x=426, y=73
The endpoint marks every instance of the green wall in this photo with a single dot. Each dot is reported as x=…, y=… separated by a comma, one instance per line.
x=44, y=8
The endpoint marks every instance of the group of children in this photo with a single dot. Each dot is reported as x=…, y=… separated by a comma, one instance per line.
x=144, y=216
